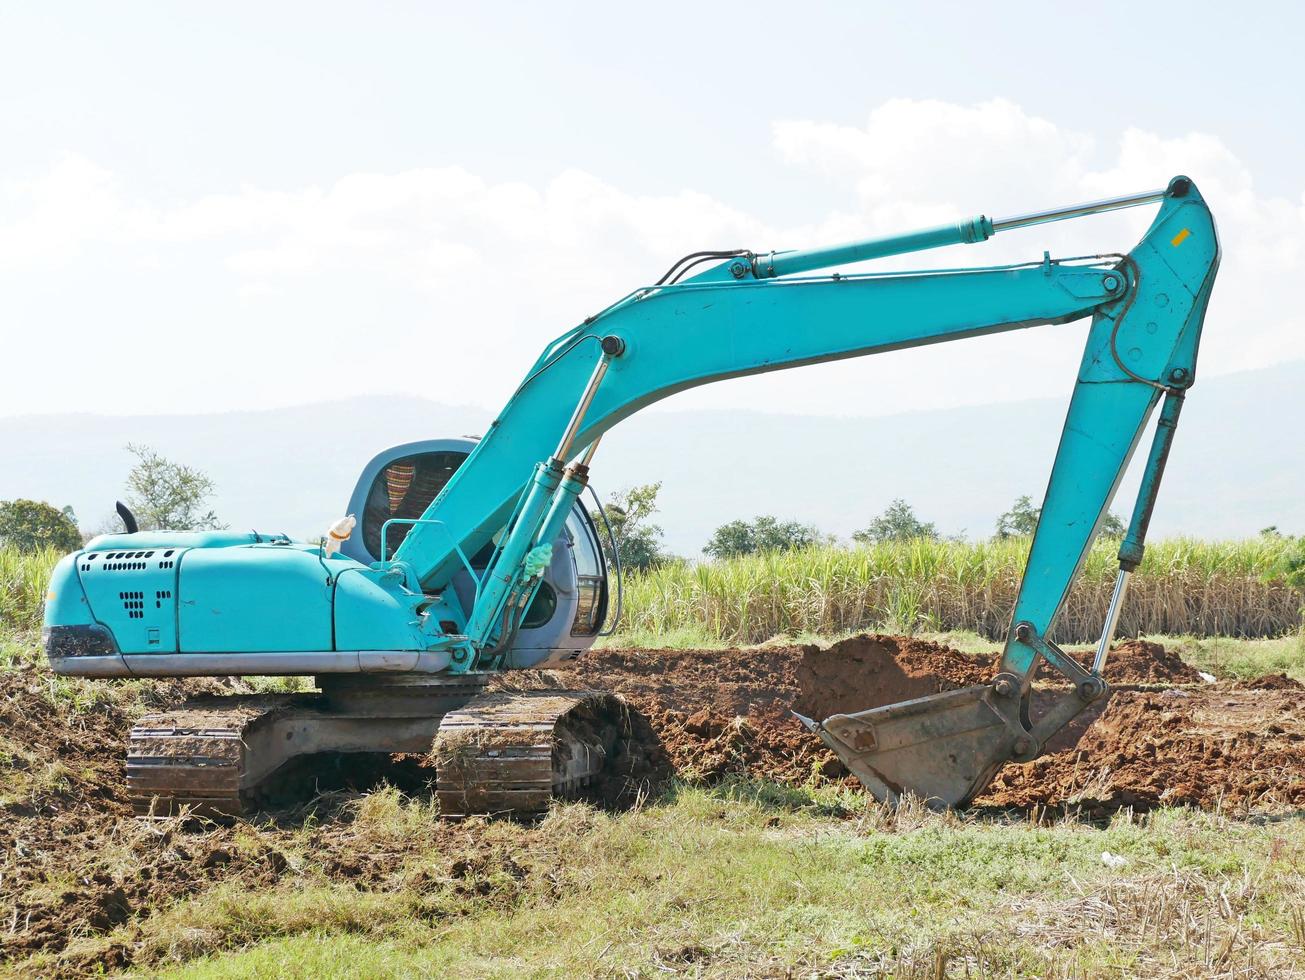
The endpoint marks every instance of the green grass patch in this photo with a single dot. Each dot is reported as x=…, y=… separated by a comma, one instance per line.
x=1243, y=659
x=24, y=579
x=746, y=879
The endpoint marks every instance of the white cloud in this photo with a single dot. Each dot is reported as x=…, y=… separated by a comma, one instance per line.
x=440, y=282
x=919, y=159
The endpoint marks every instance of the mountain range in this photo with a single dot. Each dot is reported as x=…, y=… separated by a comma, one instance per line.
x=1238, y=463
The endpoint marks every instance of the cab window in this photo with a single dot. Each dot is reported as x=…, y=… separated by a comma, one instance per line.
x=591, y=575
x=404, y=488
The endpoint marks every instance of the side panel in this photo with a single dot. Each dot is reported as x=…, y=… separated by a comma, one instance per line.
x=134, y=593
x=371, y=614
x=75, y=642
x=66, y=602
x=255, y=599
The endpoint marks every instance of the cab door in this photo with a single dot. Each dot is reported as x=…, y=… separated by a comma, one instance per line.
x=569, y=609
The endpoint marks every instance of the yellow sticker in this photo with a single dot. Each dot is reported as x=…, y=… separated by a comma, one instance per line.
x=1180, y=238
x=49, y=597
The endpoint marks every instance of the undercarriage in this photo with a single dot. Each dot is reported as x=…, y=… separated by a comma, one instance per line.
x=497, y=752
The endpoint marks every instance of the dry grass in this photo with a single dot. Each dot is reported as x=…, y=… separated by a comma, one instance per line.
x=1184, y=587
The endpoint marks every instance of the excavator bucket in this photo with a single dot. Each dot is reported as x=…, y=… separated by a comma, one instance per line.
x=945, y=748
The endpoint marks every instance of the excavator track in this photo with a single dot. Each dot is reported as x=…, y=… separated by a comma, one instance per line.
x=499, y=753
x=514, y=752
x=204, y=758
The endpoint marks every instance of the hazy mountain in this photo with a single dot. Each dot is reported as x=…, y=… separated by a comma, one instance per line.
x=1238, y=463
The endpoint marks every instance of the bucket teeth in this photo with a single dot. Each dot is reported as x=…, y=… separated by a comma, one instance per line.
x=810, y=724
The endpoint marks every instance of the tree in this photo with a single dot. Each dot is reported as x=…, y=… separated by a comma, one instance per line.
x=765, y=533
x=1112, y=526
x=897, y=523
x=734, y=538
x=29, y=525
x=165, y=495
x=1022, y=520
x=638, y=540
x=1290, y=564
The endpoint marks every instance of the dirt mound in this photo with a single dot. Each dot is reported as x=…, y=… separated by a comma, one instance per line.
x=710, y=745
x=1136, y=662
x=60, y=800
x=728, y=712
x=727, y=681
x=1270, y=682
x=868, y=671
x=1201, y=748
x=1144, y=662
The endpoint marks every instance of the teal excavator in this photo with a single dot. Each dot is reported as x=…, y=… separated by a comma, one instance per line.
x=477, y=557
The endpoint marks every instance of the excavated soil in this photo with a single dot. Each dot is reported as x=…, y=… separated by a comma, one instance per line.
x=73, y=861
x=1139, y=662
x=1162, y=737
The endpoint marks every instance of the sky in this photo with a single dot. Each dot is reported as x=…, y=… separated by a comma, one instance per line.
x=254, y=205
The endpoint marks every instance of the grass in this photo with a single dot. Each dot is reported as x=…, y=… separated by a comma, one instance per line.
x=1243, y=659
x=751, y=879
x=1184, y=586
x=24, y=578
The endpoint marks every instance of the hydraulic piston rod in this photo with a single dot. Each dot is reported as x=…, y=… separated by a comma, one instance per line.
x=1077, y=210
x=978, y=229
x=1112, y=621
x=611, y=347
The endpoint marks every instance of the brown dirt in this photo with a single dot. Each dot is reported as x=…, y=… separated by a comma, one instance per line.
x=1232, y=745
x=1270, y=682
x=74, y=863
x=1139, y=662
x=1223, y=747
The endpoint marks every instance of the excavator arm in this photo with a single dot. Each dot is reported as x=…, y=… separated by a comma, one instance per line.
x=754, y=313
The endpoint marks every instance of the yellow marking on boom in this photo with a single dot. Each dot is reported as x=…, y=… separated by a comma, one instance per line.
x=1180, y=237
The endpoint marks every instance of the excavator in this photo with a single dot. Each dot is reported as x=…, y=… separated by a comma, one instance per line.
x=475, y=558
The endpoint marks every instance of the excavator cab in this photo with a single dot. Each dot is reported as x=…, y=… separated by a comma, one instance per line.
x=570, y=608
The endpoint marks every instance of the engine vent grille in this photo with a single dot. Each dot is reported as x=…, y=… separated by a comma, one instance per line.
x=134, y=603
x=119, y=561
